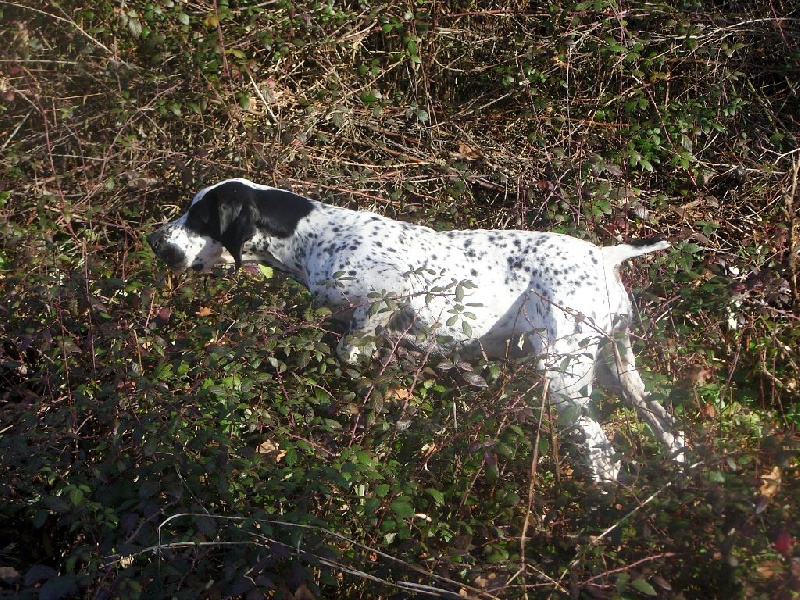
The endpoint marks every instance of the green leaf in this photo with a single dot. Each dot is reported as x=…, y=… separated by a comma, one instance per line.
x=438, y=497
x=291, y=456
x=621, y=584
x=40, y=518
x=403, y=509
x=640, y=585
x=497, y=553
x=371, y=505
x=369, y=97
x=266, y=271
x=243, y=100
x=76, y=496
x=568, y=416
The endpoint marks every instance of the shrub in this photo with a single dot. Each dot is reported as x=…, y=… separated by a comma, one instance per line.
x=167, y=435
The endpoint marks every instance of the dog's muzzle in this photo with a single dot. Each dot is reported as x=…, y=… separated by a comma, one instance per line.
x=170, y=253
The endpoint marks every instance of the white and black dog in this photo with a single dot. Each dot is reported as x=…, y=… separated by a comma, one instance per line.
x=500, y=293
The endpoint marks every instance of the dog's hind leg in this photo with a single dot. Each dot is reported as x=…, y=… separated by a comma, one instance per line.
x=616, y=370
x=569, y=368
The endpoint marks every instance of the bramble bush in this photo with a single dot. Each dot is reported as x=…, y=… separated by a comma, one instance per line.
x=166, y=435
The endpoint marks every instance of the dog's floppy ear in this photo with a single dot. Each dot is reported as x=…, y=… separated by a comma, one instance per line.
x=236, y=225
x=225, y=217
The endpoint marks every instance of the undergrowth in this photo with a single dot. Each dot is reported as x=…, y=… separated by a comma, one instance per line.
x=195, y=436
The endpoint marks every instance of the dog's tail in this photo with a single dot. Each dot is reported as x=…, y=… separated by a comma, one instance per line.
x=616, y=254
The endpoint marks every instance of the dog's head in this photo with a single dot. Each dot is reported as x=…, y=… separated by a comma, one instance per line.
x=222, y=219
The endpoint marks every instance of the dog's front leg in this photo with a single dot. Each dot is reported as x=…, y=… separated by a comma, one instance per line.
x=366, y=324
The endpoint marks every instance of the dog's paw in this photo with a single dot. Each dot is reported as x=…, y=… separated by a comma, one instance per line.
x=677, y=446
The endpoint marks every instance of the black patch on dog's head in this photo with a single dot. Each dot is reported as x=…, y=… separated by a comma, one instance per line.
x=232, y=212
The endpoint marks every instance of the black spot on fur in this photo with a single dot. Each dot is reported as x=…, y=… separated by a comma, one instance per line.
x=514, y=263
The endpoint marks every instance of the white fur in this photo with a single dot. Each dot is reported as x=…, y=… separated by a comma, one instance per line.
x=500, y=293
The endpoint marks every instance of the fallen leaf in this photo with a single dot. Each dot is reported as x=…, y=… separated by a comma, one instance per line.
x=267, y=447
x=468, y=151
x=484, y=582
x=770, y=483
x=397, y=394
x=770, y=569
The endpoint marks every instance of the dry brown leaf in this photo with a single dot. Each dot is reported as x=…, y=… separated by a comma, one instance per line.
x=397, y=393
x=770, y=483
x=468, y=151
x=484, y=582
x=267, y=447
x=270, y=447
x=770, y=568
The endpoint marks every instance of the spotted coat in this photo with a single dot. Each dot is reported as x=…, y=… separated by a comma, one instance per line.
x=496, y=292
